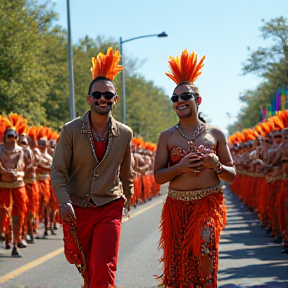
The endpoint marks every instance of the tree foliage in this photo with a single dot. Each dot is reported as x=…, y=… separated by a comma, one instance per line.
x=34, y=75
x=271, y=64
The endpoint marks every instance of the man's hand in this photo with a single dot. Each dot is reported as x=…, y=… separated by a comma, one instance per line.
x=67, y=213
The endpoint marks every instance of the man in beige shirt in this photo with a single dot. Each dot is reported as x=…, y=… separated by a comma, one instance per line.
x=92, y=177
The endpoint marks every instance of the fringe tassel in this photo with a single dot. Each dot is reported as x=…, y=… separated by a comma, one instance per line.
x=181, y=225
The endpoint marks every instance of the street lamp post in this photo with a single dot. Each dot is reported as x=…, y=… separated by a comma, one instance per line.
x=163, y=34
x=72, y=96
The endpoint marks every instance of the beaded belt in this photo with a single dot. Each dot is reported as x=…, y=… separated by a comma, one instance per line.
x=42, y=176
x=30, y=181
x=15, y=184
x=192, y=195
x=270, y=179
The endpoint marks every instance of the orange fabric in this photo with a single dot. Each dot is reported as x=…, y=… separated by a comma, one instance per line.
x=263, y=208
x=190, y=234
x=32, y=191
x=53, y=202
x=281, y=204
x=271, y=202
x=14, y=200
x=145, y=187
x=44, y=189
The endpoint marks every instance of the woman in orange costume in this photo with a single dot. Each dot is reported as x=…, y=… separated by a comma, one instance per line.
x=192, y=156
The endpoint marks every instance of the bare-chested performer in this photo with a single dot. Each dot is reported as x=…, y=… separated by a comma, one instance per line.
x=44, y=162
x=12, y=187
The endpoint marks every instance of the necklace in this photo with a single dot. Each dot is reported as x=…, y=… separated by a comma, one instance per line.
x=199, y=129
x=97, y=137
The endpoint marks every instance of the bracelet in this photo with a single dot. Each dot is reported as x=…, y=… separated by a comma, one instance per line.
x=219, y=168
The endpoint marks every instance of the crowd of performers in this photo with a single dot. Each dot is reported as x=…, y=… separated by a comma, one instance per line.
x=261, y=157
x=26, y=195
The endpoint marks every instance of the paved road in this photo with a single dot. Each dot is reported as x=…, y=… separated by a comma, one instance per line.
x=247, y=255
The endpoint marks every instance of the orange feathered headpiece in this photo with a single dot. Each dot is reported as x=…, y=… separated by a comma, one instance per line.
x=106, y=65
x=19, y=123
x=5, y=123
x=185, y=68
x=276, y=123
x=283, y=115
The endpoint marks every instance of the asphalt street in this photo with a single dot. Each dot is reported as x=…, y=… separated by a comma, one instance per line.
x=248, y=257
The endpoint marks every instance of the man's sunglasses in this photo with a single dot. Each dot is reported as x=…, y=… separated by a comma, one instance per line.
x=277, y=136
x=184, y=96
x=107, y=95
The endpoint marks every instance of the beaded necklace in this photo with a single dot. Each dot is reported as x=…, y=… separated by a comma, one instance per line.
x=199, y=129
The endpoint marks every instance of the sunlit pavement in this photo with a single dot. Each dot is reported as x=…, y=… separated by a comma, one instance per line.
x=248, y=257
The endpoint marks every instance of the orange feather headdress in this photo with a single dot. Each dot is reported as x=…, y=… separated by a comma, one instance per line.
x=185, y=68
x=276, y=123
x=106, y=65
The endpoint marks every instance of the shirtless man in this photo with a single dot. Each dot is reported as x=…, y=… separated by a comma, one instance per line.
x=284, y=186
x=276, y=179
x=12, y=186
x=30, y=186
x=44, y=162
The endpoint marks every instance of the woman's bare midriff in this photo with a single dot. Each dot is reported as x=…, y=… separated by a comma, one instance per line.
x=188, y=181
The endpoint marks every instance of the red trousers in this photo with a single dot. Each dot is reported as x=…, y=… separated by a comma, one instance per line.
x=99, y=235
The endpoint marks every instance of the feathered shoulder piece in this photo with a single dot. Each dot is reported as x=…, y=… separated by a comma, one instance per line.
x=185, y=68
x=106, y=65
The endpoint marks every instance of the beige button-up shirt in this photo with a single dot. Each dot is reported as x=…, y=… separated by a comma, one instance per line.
x=77, y=175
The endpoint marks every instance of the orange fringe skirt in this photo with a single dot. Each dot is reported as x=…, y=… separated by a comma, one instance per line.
x=190, y=226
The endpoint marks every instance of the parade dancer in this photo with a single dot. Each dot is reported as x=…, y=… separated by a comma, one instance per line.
x=92, y=177
x=12, y=187
x=192, y=156
x=44, y=162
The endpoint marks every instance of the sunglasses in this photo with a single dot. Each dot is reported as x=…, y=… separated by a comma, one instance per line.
x=11, y=136
x=107, y=95
x=277, y=136
x=184, y=96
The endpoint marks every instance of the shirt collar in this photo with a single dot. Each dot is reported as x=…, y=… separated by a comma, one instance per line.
x=86, y=129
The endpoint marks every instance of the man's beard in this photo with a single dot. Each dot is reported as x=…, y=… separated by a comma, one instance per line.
x=100, y=111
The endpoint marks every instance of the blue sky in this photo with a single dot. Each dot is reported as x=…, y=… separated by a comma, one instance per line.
x=222, y=30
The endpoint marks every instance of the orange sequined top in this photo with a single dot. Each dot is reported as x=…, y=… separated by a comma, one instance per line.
x=177, y=153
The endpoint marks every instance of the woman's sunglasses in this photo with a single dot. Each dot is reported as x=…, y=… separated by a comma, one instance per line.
x=184, y=96
x=107, y=95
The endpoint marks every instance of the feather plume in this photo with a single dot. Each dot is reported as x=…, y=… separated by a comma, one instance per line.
x=185, y=68
x=106, y=65
x=5, y=123
x=276, y=123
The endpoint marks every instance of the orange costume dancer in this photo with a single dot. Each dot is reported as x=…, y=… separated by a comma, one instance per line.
x=30, y=183
x=44, y=162
x=283, y=196
x=13, y=196
x=136, y=160
x=53, y=202
x=192, y=156
x=31, y=179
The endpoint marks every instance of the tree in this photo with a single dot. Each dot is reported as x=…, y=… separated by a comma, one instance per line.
x=270, y=63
